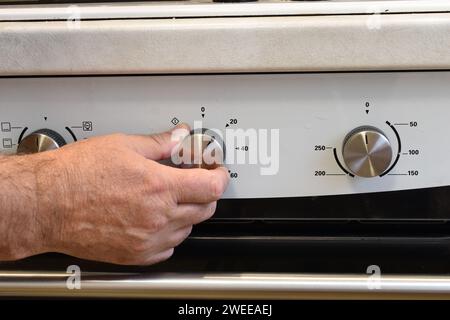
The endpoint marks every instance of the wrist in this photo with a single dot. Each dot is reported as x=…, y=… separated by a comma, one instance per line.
x=51, y=200
x=20, y=226
x=31, y=191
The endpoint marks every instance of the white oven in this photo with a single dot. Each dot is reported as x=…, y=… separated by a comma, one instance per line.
x=309, y=85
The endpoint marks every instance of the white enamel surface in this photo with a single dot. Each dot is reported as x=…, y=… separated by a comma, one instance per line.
x=308, y=110
x=240, y=44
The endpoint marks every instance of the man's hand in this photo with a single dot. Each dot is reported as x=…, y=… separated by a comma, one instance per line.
x=107, y=199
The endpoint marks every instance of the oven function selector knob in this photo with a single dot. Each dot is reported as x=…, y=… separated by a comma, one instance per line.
x=202, y=148
x=367, y=151
x=40, y=140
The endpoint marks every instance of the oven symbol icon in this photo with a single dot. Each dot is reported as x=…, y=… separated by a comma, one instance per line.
x=87, y=125
x=6, y=126
x=7, y=143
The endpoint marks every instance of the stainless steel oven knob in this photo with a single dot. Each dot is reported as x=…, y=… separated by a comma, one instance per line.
x=40, y=140
x=200, y=149
x=367, y=151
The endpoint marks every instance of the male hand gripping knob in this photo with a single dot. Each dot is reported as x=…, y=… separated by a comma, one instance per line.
x=105, y=198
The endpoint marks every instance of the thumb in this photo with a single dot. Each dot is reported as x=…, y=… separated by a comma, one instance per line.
x=159, y=146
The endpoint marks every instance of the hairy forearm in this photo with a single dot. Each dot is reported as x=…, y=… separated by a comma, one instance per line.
x=23, y=203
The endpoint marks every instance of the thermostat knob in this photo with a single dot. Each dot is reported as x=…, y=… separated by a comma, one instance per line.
x=367, y=151
x=202, y=148
x=41, y=140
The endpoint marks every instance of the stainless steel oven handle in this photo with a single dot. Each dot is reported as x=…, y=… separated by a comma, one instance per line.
x=223, y=286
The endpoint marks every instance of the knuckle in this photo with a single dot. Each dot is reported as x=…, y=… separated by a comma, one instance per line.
x=212, y=208
x=133, y=172
x=135, y=258
x=216, y=188
x=156, y=223
x=167, y=254
x=156, y=184
x=158, y=139
x=187, y=233
x=209, y=211
x=182, y=236
x=139, y=246
x=158, y=258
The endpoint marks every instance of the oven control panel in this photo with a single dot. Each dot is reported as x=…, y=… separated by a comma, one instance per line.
x=282, y=135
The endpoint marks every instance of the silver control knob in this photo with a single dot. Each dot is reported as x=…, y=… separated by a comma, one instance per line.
x=40, y=140
x=367, y=151
x=200, y=149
